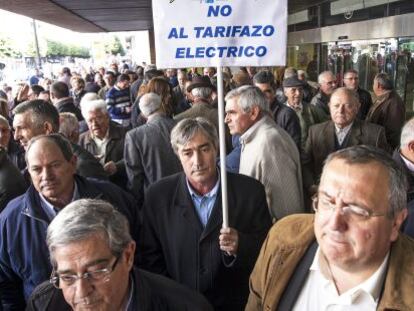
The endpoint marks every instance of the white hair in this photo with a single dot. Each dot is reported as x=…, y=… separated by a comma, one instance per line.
x=149, y=103
x=302, y=73
x=68, y=124
x=92, y=103
x=202, y=92
x=247, y=97
x=407, y=133
x=323, y=74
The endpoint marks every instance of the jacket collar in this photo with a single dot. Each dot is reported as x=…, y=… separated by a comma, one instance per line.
x=252, y=131
x=114, y=133
x=64, y=101
x=32, y=206
x=184, y=202
x=159, y=117
x=354, y=134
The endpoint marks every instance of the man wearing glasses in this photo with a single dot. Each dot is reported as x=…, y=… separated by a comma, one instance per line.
x=23, y=252
x=350, y=254
x=327, y=84
x=351, y=81
x=92, y=255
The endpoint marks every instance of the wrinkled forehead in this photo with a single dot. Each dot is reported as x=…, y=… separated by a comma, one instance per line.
x=327, y=78
x=44, y=147
x=341, y=174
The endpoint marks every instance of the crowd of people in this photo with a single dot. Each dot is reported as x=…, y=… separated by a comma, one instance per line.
x=111, y=194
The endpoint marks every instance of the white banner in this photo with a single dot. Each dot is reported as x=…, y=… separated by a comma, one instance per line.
x=210, y=33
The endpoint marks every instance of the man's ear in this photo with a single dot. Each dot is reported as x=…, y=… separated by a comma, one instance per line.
x=411, y=146
x=74, y=161
x=254, y=113
x=397, y=222
x=48, y=128
x=129, y=253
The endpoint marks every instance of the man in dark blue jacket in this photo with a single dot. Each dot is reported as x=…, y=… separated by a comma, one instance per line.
x=24, y=258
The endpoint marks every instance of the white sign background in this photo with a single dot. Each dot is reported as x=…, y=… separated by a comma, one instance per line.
x=177, y=19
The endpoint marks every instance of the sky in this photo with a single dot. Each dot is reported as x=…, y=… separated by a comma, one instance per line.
x=20, y=28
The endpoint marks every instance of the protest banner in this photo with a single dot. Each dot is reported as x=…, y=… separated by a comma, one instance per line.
x=207, y=33
x=197, y=33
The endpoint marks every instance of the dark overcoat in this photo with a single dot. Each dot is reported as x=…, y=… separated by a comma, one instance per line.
x=176, y=244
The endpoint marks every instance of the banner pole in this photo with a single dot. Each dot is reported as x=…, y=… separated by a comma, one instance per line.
x=222, y=139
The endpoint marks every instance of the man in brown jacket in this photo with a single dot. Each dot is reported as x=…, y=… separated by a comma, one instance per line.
x=350, y=254
x=388, y=110
x=342, y=131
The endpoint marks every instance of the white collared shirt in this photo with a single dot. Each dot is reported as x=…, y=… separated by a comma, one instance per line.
x=101, y=146
x=342, y=132
x=297, y=109
x=320, y=294
x=49, y=208
x=408, y=163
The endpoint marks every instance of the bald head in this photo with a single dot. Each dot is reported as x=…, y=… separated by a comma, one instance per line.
x=343, y=106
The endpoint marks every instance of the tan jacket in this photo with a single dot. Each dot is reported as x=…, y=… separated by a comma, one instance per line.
x=287, y=242
x=269, y=155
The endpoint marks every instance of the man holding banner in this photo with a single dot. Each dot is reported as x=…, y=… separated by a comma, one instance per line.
x=216, y=33
x=183, y=236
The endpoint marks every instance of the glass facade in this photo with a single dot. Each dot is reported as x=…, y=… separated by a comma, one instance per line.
x=395, y=56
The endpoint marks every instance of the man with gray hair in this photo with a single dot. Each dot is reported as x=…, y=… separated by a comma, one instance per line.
x=268, y=153
x=404, y=157
x=350, y=254
x=388, y=109
x=92, y=255
x=201, y=90
x=69, y=126
x=37, y=117
x=24, y=260
x=183, y=236
x=148, y=153
x=327, y=84
x=15, y=152
x=104, y=139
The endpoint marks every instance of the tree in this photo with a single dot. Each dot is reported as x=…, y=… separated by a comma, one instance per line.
x=8, y=49
x=114, y=46
x=58, y=49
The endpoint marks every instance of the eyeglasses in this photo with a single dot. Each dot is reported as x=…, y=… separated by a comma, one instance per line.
x=330, y=82
x=66, y=280
x=354, y=213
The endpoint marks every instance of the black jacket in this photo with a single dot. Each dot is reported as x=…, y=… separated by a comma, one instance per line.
x=24, y=257
x=288, y=120
x=176, y=244
x=12, y=183
x=366, y=103
x=152, y=293
x=87, y=165
x=67, y=105
x=114, y=151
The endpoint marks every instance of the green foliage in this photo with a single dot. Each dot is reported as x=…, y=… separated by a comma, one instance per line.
x=58, y=49
x=114, y=46
x=7, y=48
